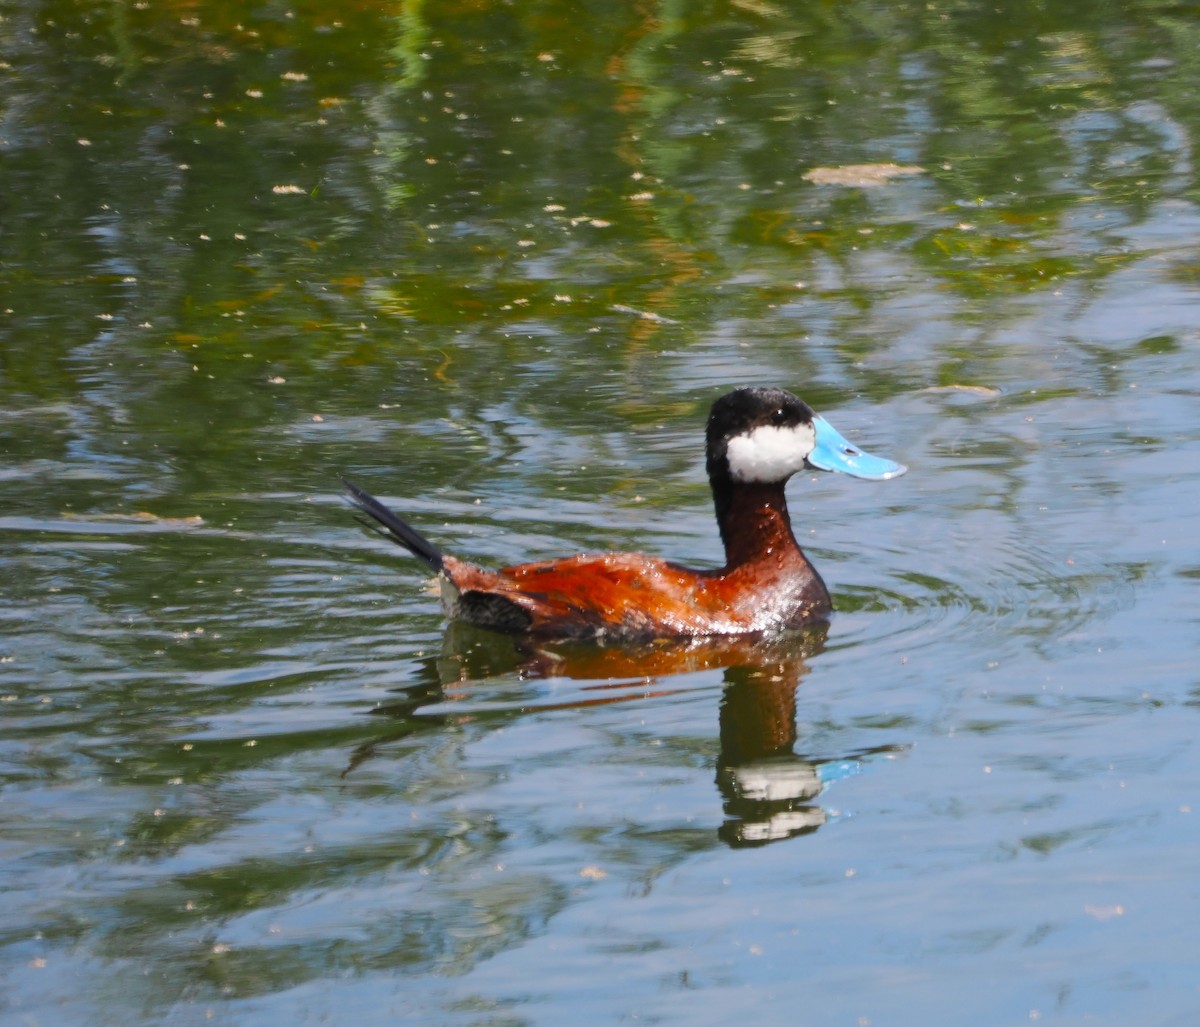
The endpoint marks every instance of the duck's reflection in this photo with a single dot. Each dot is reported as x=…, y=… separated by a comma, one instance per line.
x=769, y=790
x=475, y=654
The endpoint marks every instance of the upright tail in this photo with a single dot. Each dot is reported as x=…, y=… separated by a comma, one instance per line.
x=391, y=526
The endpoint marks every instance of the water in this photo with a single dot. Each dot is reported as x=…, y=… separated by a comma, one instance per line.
x=495, y=264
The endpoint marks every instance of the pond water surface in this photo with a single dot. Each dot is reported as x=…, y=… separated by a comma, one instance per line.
x=494, y=263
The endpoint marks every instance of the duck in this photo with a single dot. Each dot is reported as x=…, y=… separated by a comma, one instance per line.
x=757, y=438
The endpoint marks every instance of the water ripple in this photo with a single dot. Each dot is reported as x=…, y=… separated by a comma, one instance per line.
x=991, y=595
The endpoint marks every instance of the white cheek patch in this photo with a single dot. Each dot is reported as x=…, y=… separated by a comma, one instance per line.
x=769, y=453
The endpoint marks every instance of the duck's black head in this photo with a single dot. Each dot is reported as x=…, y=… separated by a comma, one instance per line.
x=760, y=435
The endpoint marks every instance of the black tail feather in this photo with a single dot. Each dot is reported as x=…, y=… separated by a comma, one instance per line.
x=399, y=531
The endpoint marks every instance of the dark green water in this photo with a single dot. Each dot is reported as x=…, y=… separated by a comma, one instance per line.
x=494, y=261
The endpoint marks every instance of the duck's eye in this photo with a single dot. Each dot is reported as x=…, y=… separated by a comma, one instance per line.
x=778, y=417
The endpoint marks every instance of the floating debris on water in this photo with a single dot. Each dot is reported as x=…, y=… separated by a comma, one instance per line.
x=864, y=176
x=645, y=315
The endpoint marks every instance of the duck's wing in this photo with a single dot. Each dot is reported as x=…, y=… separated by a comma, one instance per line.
x=616, y=596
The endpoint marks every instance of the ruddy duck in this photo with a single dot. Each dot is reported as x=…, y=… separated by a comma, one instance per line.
x=757, y=438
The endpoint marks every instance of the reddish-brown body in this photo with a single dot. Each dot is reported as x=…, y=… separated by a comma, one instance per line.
x=767, y=584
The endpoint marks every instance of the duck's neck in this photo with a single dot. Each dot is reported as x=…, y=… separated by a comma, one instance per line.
x=754, y=524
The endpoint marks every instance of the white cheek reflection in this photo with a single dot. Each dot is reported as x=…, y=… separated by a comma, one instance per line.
x=770, y=454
